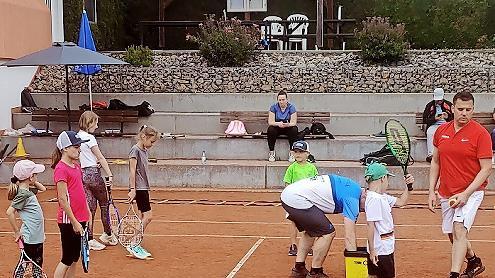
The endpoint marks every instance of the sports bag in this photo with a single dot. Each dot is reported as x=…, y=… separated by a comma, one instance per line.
x=236, y=128
x=318, y=128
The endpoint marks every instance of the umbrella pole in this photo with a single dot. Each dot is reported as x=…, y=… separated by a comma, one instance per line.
x=90, y=94
x=67, y=91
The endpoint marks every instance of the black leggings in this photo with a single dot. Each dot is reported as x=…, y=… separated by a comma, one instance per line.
x=34, y=252
x=274, y=131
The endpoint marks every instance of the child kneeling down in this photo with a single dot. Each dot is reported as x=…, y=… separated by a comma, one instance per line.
x=378, y=208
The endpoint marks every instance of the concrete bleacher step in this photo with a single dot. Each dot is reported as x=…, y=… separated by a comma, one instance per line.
x=245, y=174
x=191, y=147
x=209, y=123
x=216, y=102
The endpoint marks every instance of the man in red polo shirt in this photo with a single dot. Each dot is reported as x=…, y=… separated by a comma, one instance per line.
x=462, y=162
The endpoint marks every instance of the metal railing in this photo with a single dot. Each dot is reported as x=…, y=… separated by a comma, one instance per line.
x=332, y=24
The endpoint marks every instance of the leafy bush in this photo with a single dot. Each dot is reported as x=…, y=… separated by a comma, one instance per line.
x=138, y=56
x=486, y=42
x=226, y=43
x=381, y=42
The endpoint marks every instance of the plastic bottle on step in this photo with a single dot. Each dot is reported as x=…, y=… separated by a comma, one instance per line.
x=203, y=158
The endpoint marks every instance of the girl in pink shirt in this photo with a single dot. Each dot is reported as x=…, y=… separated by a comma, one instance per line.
x=73, y=212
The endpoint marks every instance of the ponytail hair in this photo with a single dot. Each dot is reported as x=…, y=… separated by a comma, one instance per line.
x=147, y=131
x=56, y=157
x=13, y=188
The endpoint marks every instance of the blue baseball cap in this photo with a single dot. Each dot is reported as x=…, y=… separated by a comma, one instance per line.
x=300, y=145
x=69, y=138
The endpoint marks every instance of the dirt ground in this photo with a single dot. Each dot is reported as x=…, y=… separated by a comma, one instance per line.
x=207, y=234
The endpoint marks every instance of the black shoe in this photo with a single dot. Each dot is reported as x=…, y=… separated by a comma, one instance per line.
x=379, y=134
x=429, y=158
x=299, y=273
x=473, y=269
x=293, y=250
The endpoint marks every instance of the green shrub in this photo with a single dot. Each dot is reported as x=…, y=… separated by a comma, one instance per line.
x=226, y=43
x=381, y=42
x=138, y=56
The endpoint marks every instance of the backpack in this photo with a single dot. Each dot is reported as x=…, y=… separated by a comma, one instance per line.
x=236, y=128
x=144, y=109
x=318, y=128
x=383, y=155
x=27, y=102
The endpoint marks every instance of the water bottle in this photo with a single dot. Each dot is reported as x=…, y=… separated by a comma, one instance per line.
x=203, y=158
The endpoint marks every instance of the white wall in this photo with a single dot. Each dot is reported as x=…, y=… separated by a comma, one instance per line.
x=57, y=11
x=12, y=82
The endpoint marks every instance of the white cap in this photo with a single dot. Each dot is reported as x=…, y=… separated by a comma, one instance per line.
x=24, y=169
x=438, y=94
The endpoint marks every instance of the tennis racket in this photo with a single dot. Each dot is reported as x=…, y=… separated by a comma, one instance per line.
x=113, y=213
x=130, y=228
x=399, y=143
x=85, y=250
x=26, y=267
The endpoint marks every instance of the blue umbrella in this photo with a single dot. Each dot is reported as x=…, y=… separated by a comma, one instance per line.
x=86, y=41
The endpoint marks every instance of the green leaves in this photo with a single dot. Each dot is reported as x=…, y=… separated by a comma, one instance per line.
x=138, y=56
x=226, y=43
x=381, y=42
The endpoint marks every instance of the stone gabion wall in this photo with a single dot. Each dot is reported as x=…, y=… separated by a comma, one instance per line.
x=311, y=71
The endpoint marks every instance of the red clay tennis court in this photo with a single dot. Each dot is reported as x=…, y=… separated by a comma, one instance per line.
x=243, y=234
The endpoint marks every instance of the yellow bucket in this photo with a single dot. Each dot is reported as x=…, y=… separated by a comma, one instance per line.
x=356, y=263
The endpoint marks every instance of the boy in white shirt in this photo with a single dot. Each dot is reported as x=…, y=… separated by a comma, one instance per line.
x=378, y=208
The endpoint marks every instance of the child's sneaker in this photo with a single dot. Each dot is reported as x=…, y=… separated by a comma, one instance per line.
x=473, y=268
x=109, y=239
x=299, y=273
x=293, y=250
x=136, y=252
x=95, y=245
x=310, y=253
x=143, y=251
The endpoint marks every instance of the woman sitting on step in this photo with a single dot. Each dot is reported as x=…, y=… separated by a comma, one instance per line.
x=282, y=120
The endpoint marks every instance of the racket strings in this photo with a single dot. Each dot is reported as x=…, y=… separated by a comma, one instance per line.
x=398, y=140
x=114, y=220
x=130, y=231
x=27, y=269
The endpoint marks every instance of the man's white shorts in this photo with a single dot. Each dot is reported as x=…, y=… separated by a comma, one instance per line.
x=464, y=214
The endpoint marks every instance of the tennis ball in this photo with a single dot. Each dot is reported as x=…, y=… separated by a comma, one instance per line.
x=452, y=201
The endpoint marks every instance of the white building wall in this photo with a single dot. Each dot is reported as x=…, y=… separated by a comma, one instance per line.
x=12, y=82
x=57, y=11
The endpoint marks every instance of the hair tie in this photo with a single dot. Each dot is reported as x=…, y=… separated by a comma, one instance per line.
x=14, y=179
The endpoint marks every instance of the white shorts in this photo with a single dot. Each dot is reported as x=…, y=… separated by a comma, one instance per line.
x=464, y=214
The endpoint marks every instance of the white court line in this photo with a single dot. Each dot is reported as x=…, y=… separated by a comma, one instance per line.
x=245, y=258
x=275, y=237
x=274, y=223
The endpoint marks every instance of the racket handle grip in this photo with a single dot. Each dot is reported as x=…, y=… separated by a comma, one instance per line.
x=410, y=187
x=20, y=244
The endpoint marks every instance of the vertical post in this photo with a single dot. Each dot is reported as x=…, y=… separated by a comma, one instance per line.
x=161, y=30
x=319, y=24
x=68, y=100
x=330, y=24
x=339, y=17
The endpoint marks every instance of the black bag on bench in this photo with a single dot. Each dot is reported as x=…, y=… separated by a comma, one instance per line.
x=144, y=109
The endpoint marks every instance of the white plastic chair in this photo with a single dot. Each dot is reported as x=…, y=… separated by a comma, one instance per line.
x=302, y=29
x=276, y=29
